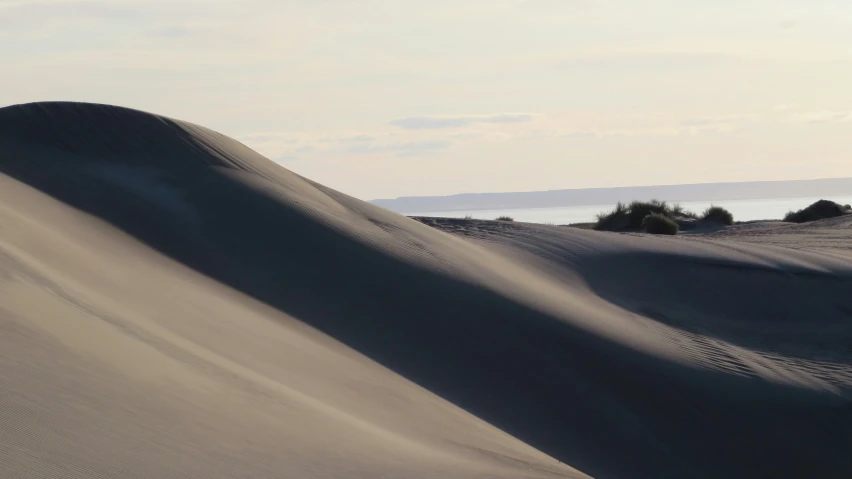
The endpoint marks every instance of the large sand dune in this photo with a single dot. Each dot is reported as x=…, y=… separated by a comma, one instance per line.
x=172, y=304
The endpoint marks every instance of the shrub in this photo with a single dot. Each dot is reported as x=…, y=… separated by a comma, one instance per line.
x=630, y=217
x=659, y=224
x=505, y=218
x=468, y=217
x=638, y=210
x=717, y=214
x=677, y=210
x=610, y=221
x=817, y=211
x=848, y=207
x=584, y=226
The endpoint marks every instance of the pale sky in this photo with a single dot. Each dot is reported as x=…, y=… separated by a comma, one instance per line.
x=386, y=98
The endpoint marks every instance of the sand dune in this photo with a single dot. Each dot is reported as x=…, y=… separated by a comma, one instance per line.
x=172, y=304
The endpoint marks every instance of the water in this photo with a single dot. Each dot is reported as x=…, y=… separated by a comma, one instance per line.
x=743, y=210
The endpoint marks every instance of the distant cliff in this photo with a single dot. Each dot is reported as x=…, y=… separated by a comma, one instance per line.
x=606, y=196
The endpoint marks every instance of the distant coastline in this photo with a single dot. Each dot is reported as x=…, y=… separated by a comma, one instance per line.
x=601, y=196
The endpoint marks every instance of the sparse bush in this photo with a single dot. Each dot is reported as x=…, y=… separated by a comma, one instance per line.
x=609, y=221
x=717, y=214
x=677, y=210
x=583, y=226
x=848, y=207
x=659, y=224
x=820, y=210
x=630, y=217
x=638, y=210
x=468, y=217
x=505, y=218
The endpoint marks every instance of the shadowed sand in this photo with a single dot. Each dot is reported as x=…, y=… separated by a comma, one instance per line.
x=172, y=304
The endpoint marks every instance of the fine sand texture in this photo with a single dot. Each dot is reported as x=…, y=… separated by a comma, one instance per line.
x=173, y=304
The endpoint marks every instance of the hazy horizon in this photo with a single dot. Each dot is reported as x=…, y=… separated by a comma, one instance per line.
x=709, y=193
x=382, y=100
x=467, y=193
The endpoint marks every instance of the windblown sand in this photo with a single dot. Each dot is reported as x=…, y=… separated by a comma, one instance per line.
x=174, y=305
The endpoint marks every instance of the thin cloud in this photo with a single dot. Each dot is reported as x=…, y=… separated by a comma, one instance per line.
x=425, y=136
x=703, y=122
x=357, y=139
x=715, y=123
x=450, y=122
x=551, y=6
x=288, y=146
x=828, y=117
x=403, y=149
x=788, y=24
x=634, y=61
x=25, y=14
x=172, y=31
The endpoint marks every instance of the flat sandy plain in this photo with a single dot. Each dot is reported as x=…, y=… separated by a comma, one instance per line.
x=175, y=305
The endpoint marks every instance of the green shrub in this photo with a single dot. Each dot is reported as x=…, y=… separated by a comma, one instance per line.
x=583, y=226
x=677, y=210
x=630, y=217
x=717, y=214
x=610, y=220
x=638, y=210
x=817, y=211
x=659, y=224
x=505, y=218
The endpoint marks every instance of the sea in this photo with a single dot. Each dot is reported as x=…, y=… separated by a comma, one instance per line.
x=743, y=210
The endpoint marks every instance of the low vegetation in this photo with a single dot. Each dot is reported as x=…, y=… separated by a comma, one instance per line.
x=659, y=224
x=717, y=214
x=640, y=209
x=582, y=226
x=629, y=217
x=677, y=210
x=608, y=220
x=820, y=210
x=505, y=218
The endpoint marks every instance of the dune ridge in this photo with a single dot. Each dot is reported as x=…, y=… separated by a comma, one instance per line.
x=184, y=306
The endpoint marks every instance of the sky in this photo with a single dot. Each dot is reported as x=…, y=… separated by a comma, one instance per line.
x=381, y=99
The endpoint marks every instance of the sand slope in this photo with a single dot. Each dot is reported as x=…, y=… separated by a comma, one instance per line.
x=172, y=304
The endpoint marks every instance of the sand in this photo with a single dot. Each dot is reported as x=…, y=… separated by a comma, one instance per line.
x=173, y=304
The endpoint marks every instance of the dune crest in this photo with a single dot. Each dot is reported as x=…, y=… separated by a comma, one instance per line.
x=182, y=305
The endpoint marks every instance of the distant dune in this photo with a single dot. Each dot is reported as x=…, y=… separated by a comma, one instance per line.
x=609, y=196
x=173, y=304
